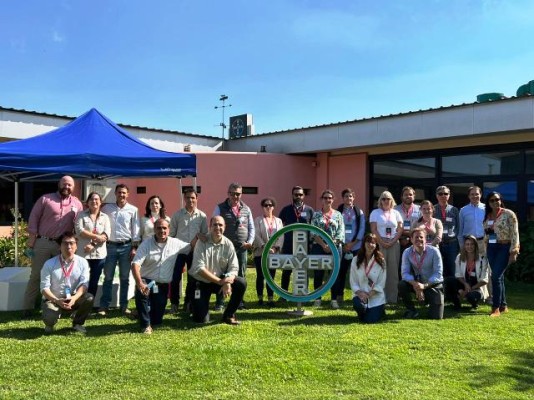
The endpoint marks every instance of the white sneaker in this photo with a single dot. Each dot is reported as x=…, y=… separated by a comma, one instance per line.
x=334, y=304
x=317, y=303
x=79, y=328
x=148, y=330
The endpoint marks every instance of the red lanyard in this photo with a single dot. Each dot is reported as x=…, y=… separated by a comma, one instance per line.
x=369, y=267
x=270, y=225
x=418, y=264
x=428, y=225
x=443, y=214
x=66, y=271
x=298, y=211
x=327, y=218
x=470, y=266
x=408, y=213
x=61, y=205
x=347, y=213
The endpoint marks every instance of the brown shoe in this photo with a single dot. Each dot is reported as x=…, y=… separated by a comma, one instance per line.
x=495, y=312
x=231, y=321
x=503, y=309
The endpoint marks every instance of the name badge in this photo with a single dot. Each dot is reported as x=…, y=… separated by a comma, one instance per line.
x=388, y=232
x=303, y=214
x=490, y=222
x=448, y=219
x=428, y=239
x=155, y=289
x=407, y=225
x=74, y=209
x=197, y=294
x=67, y=293
x=445, y=231
x=348, y=231
x=472, y=273
x=492, y=238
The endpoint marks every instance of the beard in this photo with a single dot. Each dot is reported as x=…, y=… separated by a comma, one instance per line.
x=65, y=192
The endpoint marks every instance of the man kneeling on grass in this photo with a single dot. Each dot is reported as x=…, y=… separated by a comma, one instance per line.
x=152, y=269
x=215, y=267
x=64, y=282
x=422, y=274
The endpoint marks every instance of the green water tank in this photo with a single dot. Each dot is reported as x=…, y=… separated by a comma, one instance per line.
x=485, y=97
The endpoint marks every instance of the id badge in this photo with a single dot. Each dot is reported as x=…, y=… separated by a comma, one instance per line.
x=428, y=239
x=303, y=214
x=388, y=232
x=490, y=223
x=492, y=238
x=348, y=256
x=197, y=294
x=445, y=231
x=472, y=273
x=67, y=293
x=407, y=225
x=155, y=289
x=448, y=219
x=348, y=231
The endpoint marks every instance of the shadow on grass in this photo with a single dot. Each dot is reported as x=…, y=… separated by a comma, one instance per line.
x=520, y=371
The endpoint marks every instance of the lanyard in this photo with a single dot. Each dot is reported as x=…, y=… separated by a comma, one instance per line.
x=61, y=205
x=418, y=264
x=369, y=266
x=298, y=211
x=67, y=271
x=236, y=211
x=348, y=212
x=270, y=226
x=408, y=213
x=327, y=218
x=470, y=266
x=443, y=214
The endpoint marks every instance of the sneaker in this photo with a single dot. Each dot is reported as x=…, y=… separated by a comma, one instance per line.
x=175, y=308
x=495, y=313
x=48, y=329
x=126, y=311
x=317, y=303
x=503, y=309
x=242, y=306
x=79, y=328
x=334, y=304
x=102, y=311
x=411, y=314
x=231, y=321
x=148, y=330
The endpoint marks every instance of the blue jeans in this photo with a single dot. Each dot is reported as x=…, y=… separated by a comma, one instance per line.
x=120, y=254
x=449, y=251
x=151, y=308
x=95, y=270
x=498, y=255
x=365, y=314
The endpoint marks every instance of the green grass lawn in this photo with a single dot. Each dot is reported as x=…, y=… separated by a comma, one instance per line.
x=272, y=356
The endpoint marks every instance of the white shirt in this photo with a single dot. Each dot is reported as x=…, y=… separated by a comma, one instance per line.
x=124, y=222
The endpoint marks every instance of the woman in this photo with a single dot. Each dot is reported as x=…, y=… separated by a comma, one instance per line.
x=471, y=277
x=265, y=227
x=502, y=247
x=387, y=225
x=154, y=210
x=367, y=280
x=93, y=230
x=433, y=226
x=330, y=221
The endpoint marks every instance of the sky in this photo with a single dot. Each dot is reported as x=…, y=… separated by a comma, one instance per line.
x=291, y=64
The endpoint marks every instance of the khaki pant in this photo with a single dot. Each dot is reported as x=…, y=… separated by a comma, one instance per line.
x=43, y=249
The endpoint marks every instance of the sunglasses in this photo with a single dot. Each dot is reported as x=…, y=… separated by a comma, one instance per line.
x=69, y=243
x=298, y=194
x=443, y=194
x=268, y=205
x=235, y=194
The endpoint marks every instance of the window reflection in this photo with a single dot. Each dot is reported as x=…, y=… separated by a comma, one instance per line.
x=481, y=164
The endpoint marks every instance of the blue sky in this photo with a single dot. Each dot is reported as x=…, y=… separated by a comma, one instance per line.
x=164, y=64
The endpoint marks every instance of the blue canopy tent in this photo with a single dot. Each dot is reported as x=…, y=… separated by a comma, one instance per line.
x=89, y=147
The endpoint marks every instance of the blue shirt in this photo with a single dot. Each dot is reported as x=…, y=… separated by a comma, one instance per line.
x=471, y=221
x=427, y=268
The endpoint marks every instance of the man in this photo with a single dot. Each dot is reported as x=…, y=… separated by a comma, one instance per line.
x=296, y=212
x=422, y=274
x=471, y=219
x=354, y=221
x=216, y=268
x=64, y=282
x=51, y=216
x=448, y=215
x=188, y=224
x=410, y=213
x=239, y=228
x=152, y=269
x=121, y=247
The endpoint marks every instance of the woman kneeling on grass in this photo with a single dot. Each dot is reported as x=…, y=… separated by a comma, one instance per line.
x=367, y=281
x=471, y=276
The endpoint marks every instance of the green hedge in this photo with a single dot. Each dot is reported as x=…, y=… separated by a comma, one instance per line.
x=7, y=246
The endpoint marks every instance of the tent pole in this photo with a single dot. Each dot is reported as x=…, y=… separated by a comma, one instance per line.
x=195, y=183
x=16, y=223
x=180, y=194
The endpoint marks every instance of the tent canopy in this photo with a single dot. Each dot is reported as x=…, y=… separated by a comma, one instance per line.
x=90, y=147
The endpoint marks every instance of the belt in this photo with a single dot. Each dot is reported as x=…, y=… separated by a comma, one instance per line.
x=504, y=242
x=47, y=238
x=120, y=242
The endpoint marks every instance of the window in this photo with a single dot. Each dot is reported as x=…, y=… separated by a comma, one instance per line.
x=482, y=164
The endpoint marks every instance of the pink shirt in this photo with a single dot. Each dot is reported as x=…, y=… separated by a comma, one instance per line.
x=52, y=216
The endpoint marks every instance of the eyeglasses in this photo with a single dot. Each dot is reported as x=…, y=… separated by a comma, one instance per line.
x=328, y=198
x=268, y=205
x=495, y=200
x=235, y=194
x=443, y=194
x=69, y=243
x=298, y=194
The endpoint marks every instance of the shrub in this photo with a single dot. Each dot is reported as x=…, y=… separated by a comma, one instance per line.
x=523, y=269
x=7, y=245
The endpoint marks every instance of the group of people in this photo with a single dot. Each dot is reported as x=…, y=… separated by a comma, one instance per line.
x=422, y=251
